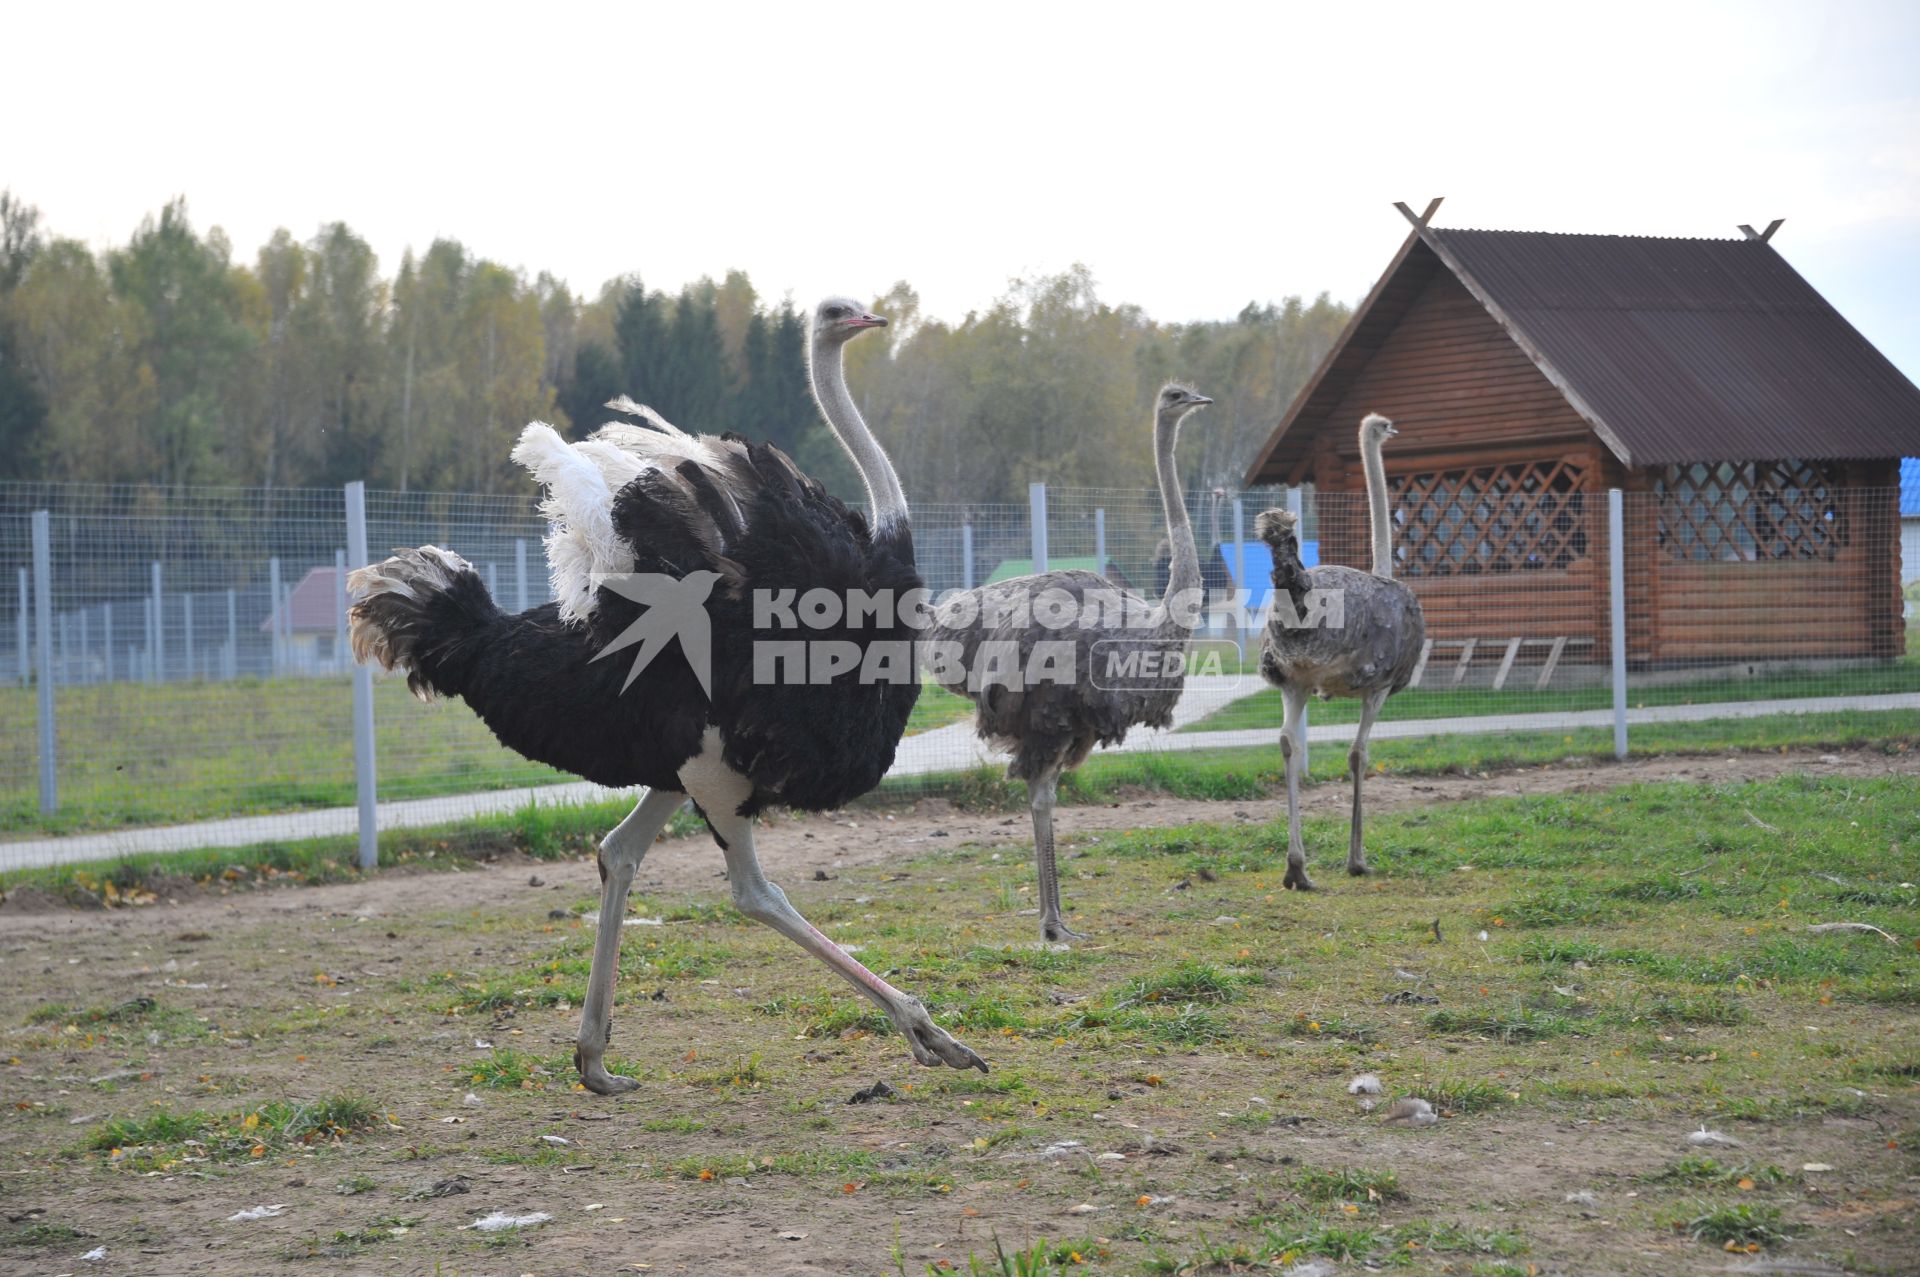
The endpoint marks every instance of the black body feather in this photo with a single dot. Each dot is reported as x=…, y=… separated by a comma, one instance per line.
x=534, y=681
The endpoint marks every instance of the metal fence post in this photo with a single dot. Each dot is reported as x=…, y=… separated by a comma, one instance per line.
x=1296, y=506
x=159, y=629
x=520, y=574
x=146, y=650
x=106, y=646
x=1037, y=517
x=1617, y=575
x=340, y=609
x=273, y=614
x=26, y=648
x=1242, y=588
x=86, y=650
x=966, y=553
x=43, y=622
x=1099, y=541
x=363, y=762
x=232, y=658
x=186, y=612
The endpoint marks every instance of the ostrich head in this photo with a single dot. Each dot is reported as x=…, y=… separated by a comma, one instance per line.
x=1375, y=430
x=1276, y=526
x=1176, y=401
x=840, y=319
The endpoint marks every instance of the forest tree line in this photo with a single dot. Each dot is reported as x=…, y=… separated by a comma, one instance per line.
x=165, y=361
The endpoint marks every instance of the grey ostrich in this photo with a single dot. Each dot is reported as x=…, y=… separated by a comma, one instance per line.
x=1024, y=652
x=1337, y=631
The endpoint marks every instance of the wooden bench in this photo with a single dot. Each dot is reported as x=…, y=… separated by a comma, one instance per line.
x=1555, y=648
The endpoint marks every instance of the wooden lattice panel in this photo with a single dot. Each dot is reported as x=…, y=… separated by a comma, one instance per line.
x=1750, y=511
x=1521, y=517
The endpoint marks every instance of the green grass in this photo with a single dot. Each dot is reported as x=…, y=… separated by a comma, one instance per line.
x=1041, y=1258
x=937, y=707
x=1739, y=1225
x=1646, y=969
x=1698, y=1171
x=135, y=754
x=1252, y=772
x=39, y=1234
x=544, y=832
x=1263, y=708
x=556, y=831
x=1350, y=1184
x=158, y=1138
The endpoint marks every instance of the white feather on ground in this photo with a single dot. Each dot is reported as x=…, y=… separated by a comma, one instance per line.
x=1409, y=1110
x=1365, y=1084
x=498, y=1221
x=1704, y=1138
x=256, y=1212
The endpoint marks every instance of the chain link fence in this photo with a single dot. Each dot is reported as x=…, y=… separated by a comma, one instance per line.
x=189, y=668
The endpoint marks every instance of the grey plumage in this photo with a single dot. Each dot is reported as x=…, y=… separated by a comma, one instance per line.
x=1337, y=631
x=1052, y=724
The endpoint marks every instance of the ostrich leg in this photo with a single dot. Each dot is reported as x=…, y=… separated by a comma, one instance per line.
x=1041, y=793
x=1293, y=748
x=1357, y=765
x=720, y=792
x=621, y=852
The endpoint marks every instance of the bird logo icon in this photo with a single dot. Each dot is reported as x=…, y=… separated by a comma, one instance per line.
x=676, y=608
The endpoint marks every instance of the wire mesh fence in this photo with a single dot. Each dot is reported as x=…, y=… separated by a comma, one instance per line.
x=200, y=683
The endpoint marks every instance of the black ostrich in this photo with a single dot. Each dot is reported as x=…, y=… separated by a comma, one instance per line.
x=727, y=520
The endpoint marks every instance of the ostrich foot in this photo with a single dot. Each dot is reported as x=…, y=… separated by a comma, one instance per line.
x=931, y=1044
x=594, y=1076
x=1296, y=879
x=1359, y=868
x=1057, y=932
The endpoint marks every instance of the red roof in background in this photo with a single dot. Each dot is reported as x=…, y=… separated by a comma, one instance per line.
x=1674, y=350
x=314, y=605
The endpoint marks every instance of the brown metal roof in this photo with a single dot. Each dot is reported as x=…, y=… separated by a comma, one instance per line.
x=1674, y=350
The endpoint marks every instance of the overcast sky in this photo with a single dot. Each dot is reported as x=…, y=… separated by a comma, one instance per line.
x=1196, y=156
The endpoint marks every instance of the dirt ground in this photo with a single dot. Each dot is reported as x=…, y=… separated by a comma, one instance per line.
x=319, y=990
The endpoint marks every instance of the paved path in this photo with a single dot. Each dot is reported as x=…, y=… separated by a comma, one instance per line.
x=950, y=748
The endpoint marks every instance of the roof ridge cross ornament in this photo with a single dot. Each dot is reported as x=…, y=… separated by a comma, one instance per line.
x=1762, y=236
x=1433, y=206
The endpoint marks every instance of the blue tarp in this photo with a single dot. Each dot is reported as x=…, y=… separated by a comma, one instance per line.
x=1257, y=560
x=1910, y=487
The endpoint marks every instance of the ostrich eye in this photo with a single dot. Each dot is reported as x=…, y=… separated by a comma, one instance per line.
x=836, y=312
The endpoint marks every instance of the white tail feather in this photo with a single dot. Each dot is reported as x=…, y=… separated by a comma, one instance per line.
x=578, y=506
x=621, y=403
x=582, y=479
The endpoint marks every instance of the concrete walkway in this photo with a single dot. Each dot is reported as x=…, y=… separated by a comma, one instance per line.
x=950, y=748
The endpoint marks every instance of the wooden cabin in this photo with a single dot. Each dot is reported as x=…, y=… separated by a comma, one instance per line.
x=1755, y=433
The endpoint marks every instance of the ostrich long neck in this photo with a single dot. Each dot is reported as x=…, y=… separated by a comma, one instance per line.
x=829, y=376
x=1183, y=568
x=1379, y=513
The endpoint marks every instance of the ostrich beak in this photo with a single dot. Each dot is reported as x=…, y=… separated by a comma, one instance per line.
x=1201, y=401
x=868, y=320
